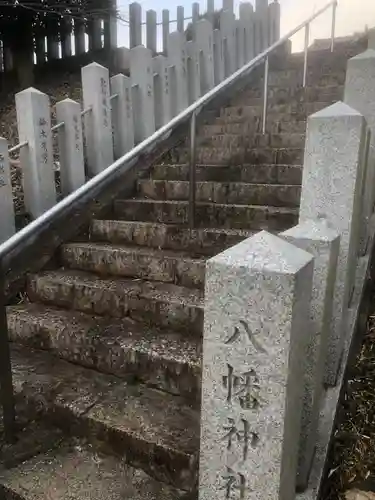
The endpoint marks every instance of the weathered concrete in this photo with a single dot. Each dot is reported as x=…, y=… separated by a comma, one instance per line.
x=155, y=304
x=208, y=214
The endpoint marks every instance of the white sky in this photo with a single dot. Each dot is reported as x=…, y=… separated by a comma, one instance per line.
x=352, y=15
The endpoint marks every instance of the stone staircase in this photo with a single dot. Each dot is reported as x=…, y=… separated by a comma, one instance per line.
x=106, y=347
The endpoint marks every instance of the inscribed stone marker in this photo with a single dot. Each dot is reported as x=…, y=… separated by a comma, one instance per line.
x=316, y=238
x=122, y=115
x=98, y=122
x=162, y=89
x=34, y=126
x=204, y=43
x=256, y=332
x=72, y=167
x=142, y=75
x=332, y=188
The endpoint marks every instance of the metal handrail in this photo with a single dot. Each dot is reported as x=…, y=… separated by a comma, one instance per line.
x=27, y=235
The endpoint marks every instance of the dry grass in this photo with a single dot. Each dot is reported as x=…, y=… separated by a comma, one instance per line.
x=353, y=453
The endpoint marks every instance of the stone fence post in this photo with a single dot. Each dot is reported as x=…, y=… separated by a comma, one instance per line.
x=228, y=37
x=218, y=57
x=72, y=166
x=122, y=115
x=332, y=188
x=79, y=37
x=151, y=33
x=177, y=57
x=256, y=332
x=323, y=243
x=261, y=26
x=7, y=221
x=98, y=122
x=34, y=126
x=360, y=95
x=204, y=40
x=274, y=17
x=180, y=19
x=165, y=23
x=66, y=38
x=142, y=78
x=193, y=71
x=135, y=24
x=162, y=90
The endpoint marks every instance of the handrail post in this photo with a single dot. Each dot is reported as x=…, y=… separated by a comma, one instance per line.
x=307, y=35
x=265, y=94
x=192, y=169
x=334, y=8
x=6, y=383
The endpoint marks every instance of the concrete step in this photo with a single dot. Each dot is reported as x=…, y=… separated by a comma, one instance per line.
x=75, y=471
x=261, y=174
x=284, y=95
x=293, y=77
x=152, y=430
x=123, y=347
x=199, y=241
x=236, y=140
x=237, y=193
x=281, y=125
x=238, y=155
x=155, y=304
x=208, y=214
x=135, y=262
x=254, y=127
x=290, y=108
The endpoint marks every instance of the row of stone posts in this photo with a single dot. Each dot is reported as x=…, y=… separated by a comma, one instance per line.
x=101, y=33
x=278, y=312
x=121, y=111
x=253, y=32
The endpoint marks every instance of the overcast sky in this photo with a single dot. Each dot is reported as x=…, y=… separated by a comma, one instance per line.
x=352, y=15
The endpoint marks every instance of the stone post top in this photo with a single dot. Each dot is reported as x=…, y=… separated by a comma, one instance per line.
x=264, y=252
x=120, y=76
x=203, y=23
x=30, y=90
x=140, y=48
x=246, y=7
x=66, y=101
x=367, y=54
x=92, y=66
x=317, y=230
x=337, y=109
